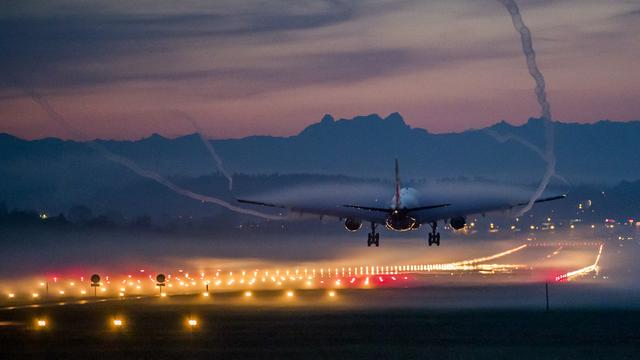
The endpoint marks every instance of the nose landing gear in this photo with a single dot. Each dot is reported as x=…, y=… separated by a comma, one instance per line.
x=373, y=238
x=434, y=235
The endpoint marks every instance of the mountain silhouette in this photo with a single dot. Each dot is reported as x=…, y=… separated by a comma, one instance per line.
x=365, y=146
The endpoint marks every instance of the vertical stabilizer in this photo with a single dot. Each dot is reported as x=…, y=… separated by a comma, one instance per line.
x=397, y=197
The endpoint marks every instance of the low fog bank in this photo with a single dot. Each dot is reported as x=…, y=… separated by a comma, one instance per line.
x=31, y=252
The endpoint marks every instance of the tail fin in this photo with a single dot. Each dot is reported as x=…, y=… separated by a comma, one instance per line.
x=397, y=185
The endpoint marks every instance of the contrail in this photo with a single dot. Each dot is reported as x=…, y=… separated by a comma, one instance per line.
x=541, y=96
x=209, y=147
x=502, y=138
x=59, y=119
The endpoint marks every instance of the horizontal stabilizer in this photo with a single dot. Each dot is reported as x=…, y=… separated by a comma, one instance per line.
x=390, y=210
x=259, y=203
x=543, y=200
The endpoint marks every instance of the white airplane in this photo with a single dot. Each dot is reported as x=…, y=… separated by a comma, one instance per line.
x=408, y=209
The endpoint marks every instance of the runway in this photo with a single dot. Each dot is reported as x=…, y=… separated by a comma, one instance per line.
x=522, y=263
x=479, y=300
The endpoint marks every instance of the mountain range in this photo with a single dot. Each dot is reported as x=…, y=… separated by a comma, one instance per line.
x=64, y=172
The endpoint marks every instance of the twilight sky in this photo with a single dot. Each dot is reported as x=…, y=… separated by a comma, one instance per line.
x=120, y=70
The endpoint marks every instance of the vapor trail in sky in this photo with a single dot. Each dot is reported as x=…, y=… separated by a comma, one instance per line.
x=541, y=96
x=210, y=148
x=502, y=138
x=59, y=119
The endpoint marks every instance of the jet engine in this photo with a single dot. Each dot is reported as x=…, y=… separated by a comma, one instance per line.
x=458, y=222
x=352, y=224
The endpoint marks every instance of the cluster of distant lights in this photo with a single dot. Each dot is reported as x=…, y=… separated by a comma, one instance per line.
x=182, y=282
x=549, y=225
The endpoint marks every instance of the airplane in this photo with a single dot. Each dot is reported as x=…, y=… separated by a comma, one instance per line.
x=407, y=210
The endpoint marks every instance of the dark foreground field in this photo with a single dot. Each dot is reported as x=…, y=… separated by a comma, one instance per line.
x=268, y=327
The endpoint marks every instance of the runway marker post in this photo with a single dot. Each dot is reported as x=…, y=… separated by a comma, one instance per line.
x=95, y=283
x=160, y=279
x=546, y=290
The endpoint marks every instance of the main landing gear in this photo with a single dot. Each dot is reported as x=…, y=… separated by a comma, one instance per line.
x=373, y=238
x=434, y=235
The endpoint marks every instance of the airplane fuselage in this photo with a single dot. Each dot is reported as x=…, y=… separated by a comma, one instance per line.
x=399, y=219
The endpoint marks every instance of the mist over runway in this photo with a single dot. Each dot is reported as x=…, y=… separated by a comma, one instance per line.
x=234, y=265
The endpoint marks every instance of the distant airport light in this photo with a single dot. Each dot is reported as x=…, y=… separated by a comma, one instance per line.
x=83, y=292
x=61, y=292
x=332, y=293
x=163, y=295
x=248, y=294
x=205, y=294
x=35, y=295
x=117, y=323
x=289, y=293
x=121, y=294
x=192, y=323
x=41, y=323
x=11, y=295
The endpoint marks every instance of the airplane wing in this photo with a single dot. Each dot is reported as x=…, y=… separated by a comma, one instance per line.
x=364, y=202
x=368, y=214
x=478, y=204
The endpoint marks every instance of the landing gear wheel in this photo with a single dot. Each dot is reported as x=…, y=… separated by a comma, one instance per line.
x=373, y=238
x=434, y=235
